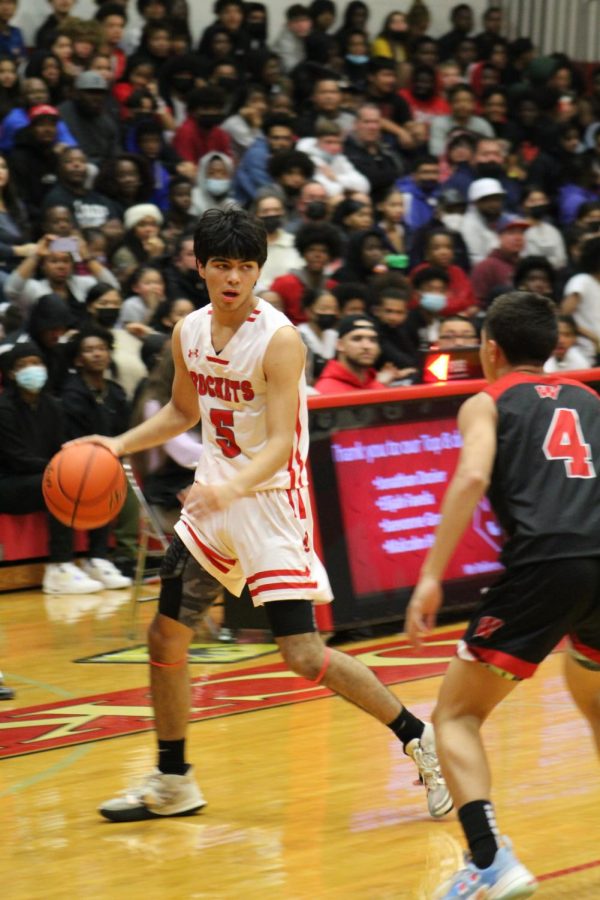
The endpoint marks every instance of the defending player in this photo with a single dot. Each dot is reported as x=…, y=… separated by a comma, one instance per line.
x=239, y=364
x=534, y=442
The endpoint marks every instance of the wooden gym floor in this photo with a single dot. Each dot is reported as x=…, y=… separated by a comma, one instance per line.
x=307, y=799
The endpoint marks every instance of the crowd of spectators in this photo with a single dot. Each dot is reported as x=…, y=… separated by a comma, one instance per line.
x=403, y=181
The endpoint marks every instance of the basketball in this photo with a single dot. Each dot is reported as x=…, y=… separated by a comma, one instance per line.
x=84, y=486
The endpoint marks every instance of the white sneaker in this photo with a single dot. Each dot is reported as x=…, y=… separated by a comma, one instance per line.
x=106, y=573
x=159, y=795
x=422, y=752
x=67, y=578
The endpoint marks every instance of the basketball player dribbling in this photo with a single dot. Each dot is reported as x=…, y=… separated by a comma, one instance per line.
x=239, y=366
x=534, y=442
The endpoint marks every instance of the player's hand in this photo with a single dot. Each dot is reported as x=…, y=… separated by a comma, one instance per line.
x=204, y=499
x=113, y=444
x=422, y=609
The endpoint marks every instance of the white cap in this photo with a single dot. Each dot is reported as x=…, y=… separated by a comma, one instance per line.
x=485, y=187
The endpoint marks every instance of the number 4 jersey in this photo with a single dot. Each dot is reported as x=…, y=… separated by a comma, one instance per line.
x=231, y=388
x=545, y=488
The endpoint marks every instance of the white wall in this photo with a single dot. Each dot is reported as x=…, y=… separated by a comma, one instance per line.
x=32, y=12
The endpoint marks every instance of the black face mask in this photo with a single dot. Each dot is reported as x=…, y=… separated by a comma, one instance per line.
x=539, y=211
x=228, y=84
x=316, y=209
x=489, y=170
x=209, y=120
x=107, y=316
x=257, y=30
x=291, y=191
x=326, y=320
x=182, y=83
x=272, y=223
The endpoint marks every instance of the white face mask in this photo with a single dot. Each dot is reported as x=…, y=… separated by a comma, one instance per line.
x=32, y=378
x=453, y=221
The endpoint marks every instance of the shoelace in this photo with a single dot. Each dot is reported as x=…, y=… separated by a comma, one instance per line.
x=428, y=768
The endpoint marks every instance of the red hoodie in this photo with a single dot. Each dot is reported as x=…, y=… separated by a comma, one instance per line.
x=337, y=379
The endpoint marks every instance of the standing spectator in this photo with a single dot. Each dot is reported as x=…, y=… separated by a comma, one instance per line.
x=498, y=268
x=368, y=152
x=200, y=132
x=95, y=130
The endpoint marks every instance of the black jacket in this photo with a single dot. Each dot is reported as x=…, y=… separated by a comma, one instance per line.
x=88, y=412
x=382, y=168
x=31, y=434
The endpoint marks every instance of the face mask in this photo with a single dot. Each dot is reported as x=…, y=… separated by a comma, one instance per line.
x=433, y=303
x=397, y=35
x=272, y=223
x=429, y=185
x=257, y=30
x=316, y=209
x=32, y=378
x=489, y=170
x=209, y=121
x=182, y=84
x=228, y=84
x=453, y=221
x=327, y=157
x=326, y=320
x=357, y=59
x=107, y=316
x=539, y=211
x=218, y=186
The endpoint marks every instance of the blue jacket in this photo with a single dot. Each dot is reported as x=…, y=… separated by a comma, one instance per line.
x=17, y=118
x=251, y=172
x=420, y=207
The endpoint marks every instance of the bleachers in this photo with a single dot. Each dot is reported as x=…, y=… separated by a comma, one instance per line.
x=24, y=548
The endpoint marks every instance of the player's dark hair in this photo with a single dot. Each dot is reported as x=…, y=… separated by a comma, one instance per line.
x=524, y=326
x=230, y=234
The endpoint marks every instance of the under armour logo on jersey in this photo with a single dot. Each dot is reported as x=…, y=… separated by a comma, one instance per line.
x=306, y=542
x=195, y=353
x=548, y=391
x=487, y=626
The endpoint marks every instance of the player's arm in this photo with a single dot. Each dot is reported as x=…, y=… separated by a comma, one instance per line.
x=178, y=415
x=283, y=365
x=477, y=424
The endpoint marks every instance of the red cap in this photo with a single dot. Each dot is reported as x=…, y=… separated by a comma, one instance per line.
x=43, y=109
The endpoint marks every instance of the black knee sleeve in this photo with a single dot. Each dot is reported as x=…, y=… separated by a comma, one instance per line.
x=287, y=617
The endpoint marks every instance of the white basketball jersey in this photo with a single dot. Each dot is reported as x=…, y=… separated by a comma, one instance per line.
x=231, y=389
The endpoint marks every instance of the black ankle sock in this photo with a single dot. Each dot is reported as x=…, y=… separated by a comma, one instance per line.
x=407, y=727
x=171, y=757
x=479, y=825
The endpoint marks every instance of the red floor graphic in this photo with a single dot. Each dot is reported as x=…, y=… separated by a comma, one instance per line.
x=104, y=716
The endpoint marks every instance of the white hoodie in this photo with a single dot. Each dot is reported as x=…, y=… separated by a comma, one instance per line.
x=347, y=178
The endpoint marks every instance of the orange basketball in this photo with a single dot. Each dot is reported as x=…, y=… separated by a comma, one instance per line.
x=84, y=486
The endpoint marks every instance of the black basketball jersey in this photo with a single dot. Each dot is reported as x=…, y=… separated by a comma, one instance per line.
x=545, y=488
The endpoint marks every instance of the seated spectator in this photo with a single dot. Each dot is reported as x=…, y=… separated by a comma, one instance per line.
x=34, y=93
x=424, y=100
x=289, y=43
x=45, y=325
x=461, y=19
x=244, y=126
x=483, y=218
x=581, y=299
x=282, y=255
x=356, y=59
x=61, y=10
x=103, y=304
x=229, y=16
x=566, y=355
x=580, y=185
x=178, y=77
x=86, y=39
x=181, y=274
x=178, y=218
x=318, y=245
x=32, y=427
x=252, y=171
x=351, y=216
x=142, y=242
x=290, y=170
x=168, y=313
x=312, y=207
x=200, y=133
x=455, y=332
x=542, y=238
x=11, y=38
x=535, y=274
x=57, y=267
x=489, y=160
x=363, y=257
x=14, y=223
x=94, y=129
x=392, y=40
x=424, y=319
x=382, y=92
x=499, y=267
x=352, y=298
x=419, y=191
x=353, y=368
x=462, y=115
x=90, y=208
x=46, y=65
x=167, y=471
x=492, y=30
x=369, y=154
x=213, y=183
x=10, y=90
x=126, y=180
x=326, y=103
x=397, y=346
x=332, y=168
x=438, y=251
x=113, y=19
x=146, y=293
x=390, y=222
x=33, y=159
x=318, y=332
